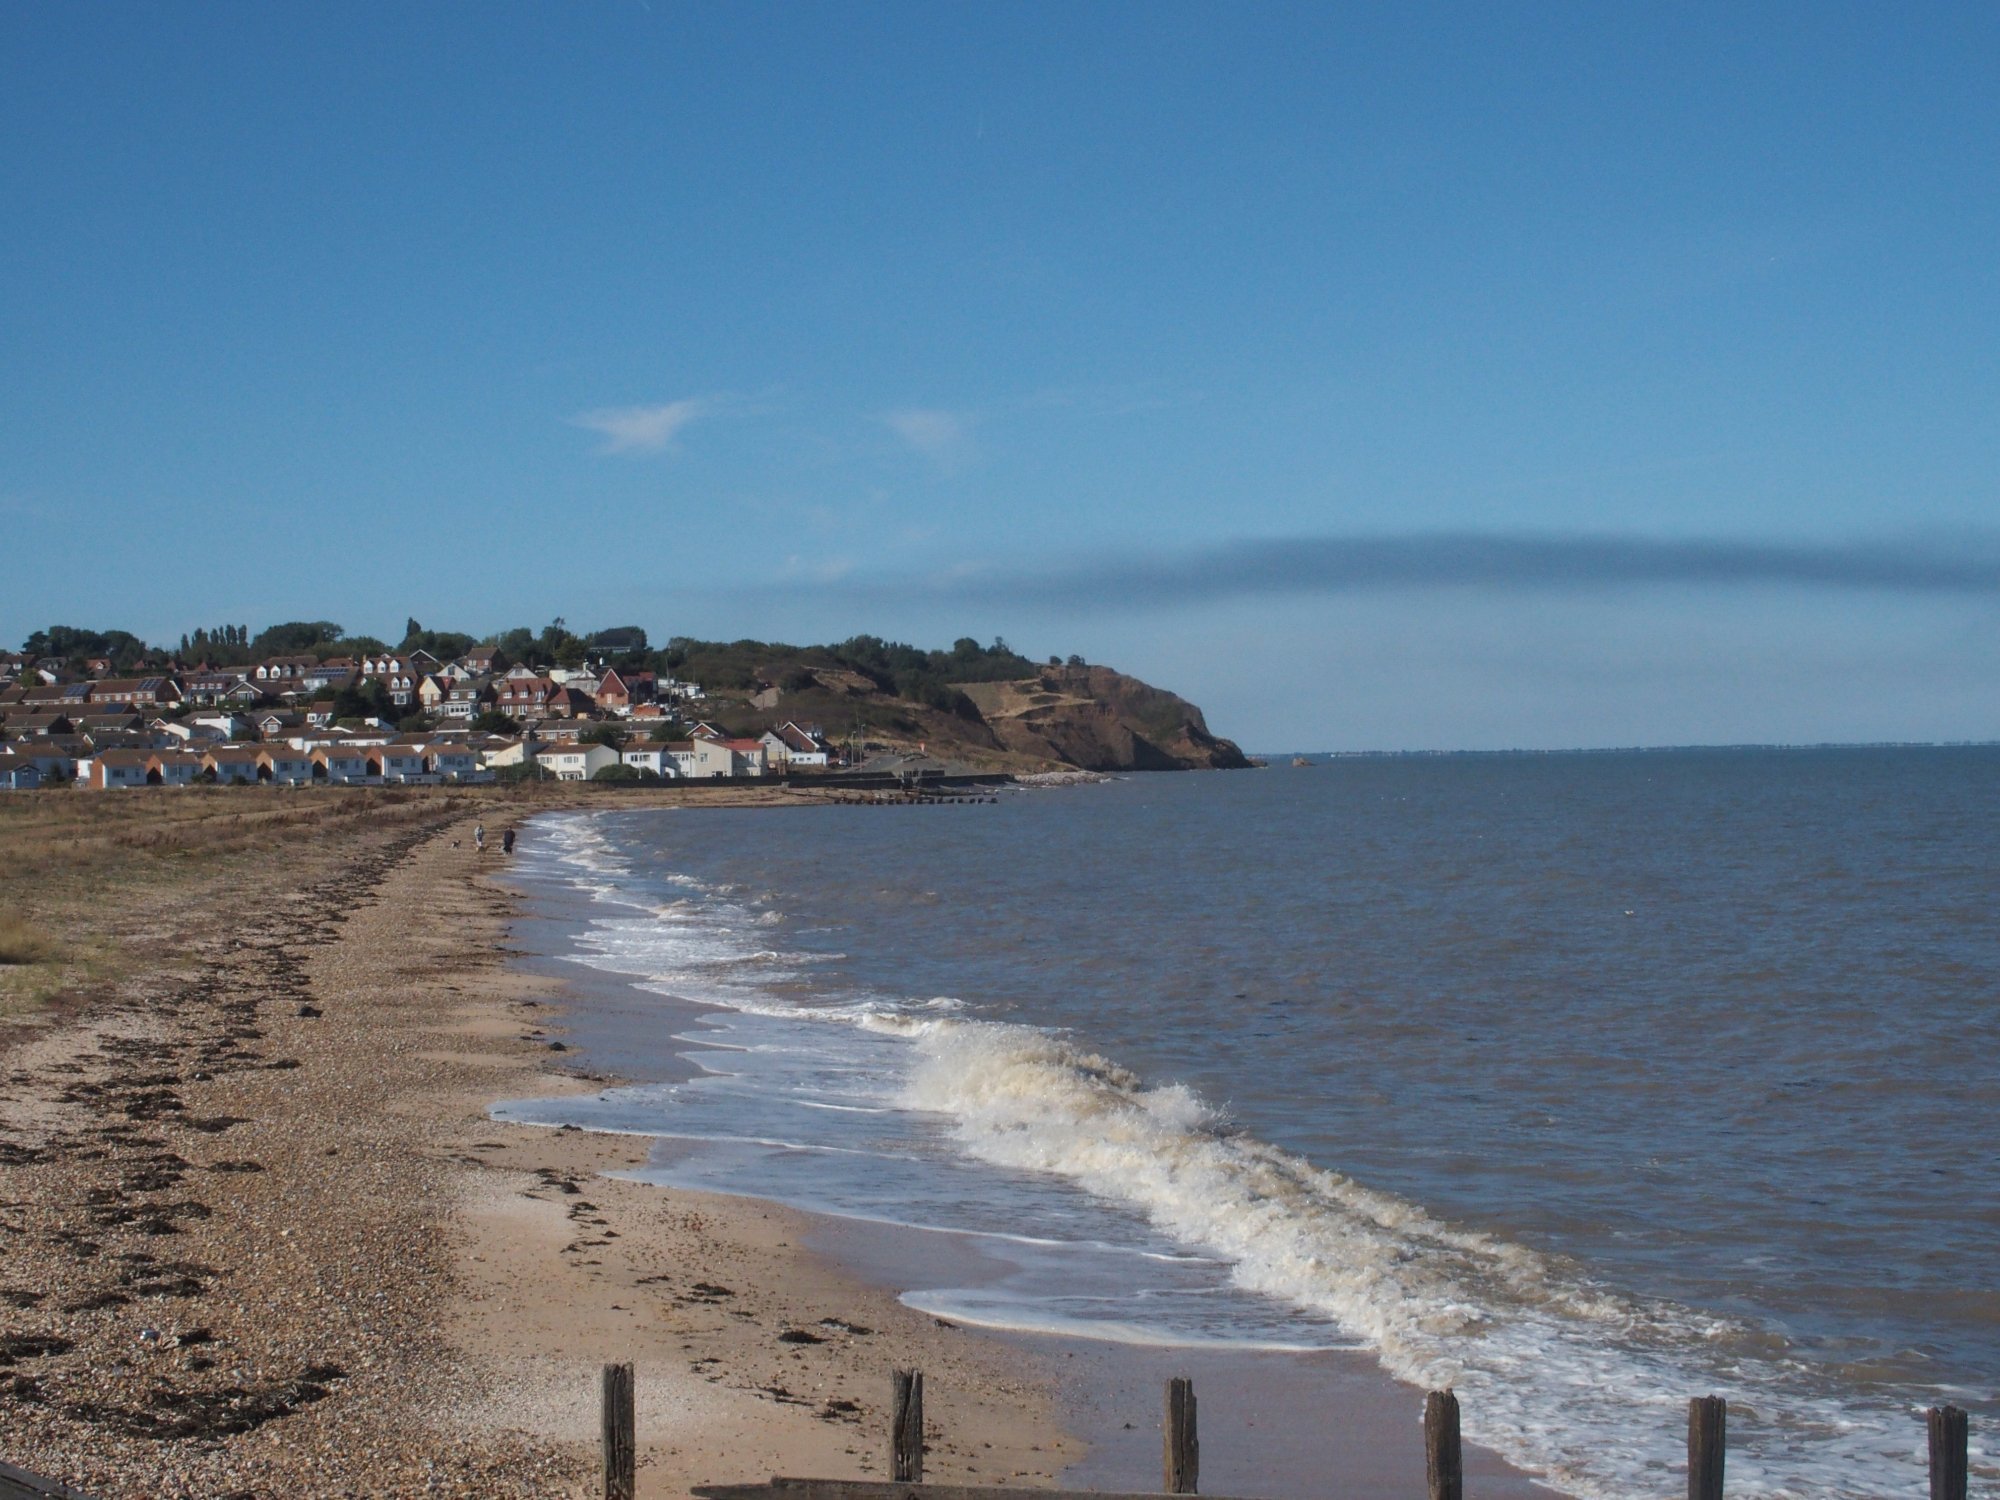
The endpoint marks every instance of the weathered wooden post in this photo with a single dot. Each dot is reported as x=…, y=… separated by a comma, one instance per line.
x=1707, y=1420
x=1444, y=1464
x=621, y=1446
x=1947, y=1424
x=906, y=1428
x=1182, y=1448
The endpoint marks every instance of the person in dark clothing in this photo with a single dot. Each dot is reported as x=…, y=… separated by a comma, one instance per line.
x=507, y=842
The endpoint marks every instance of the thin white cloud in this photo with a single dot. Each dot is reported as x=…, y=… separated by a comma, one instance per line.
x=938, y=435
x=642, y=429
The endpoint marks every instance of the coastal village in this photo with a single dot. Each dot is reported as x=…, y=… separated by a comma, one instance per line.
x=289, y=720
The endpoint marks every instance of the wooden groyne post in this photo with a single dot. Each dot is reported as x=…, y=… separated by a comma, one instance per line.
x=1181, y=1445
x=1707, y=1437
x=906, y=1427
x=621, y=1439
x=1948, y=1477
x=1444, y=1461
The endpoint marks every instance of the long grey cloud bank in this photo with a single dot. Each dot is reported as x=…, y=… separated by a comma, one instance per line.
x=1305, y=566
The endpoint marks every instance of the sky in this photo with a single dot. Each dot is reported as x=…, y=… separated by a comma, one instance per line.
x=1379, y=377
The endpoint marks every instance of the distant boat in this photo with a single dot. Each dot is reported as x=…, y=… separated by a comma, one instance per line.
x=1300, y=760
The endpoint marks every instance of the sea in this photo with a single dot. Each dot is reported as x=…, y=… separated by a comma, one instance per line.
x=1579, y=1083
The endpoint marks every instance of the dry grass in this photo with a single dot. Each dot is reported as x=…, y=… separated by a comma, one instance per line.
x=23, y=943
x=92, y=882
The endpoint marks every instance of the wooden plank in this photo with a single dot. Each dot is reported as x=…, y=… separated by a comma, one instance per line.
x=1948, y=1434
x=621, y=1438
x=883, y=1489
x=1444, y=1462
x=906, y=1427
x=1707, y=1439
x=19, y=1484
x=1179, y=1441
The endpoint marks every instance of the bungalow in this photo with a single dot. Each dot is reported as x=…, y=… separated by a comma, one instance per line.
x=39, y=726
x=227, y=725
x=55, y=758
x=117, y=723
x=659, y=759
x=705, y=731
x=575, y=762
x=319, y=715
x=111, y=770
x=457, y=763
x=175, y=767
x=18, y=773
x=287, y=766
x=340, y=765
x=403, y=762
x=236, y=764
x=276, y=723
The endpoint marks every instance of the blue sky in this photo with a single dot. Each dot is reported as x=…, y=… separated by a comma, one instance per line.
x=1122, y=329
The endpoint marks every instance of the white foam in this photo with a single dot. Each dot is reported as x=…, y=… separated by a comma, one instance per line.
x=1573, y=1380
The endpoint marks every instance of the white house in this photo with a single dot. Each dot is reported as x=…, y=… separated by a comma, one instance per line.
x=569, y=762
x=340, y=765
x=714, y=758
x=658, y=759
x=292, y=767
x=178, y=767
x=406, y=763
x=457, y=763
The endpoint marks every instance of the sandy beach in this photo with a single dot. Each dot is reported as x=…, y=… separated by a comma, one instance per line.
x=261, y=1238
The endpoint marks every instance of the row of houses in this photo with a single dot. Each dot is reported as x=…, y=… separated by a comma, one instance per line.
x=114, y=760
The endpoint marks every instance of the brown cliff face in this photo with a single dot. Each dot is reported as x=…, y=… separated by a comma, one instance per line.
x=1100, y=720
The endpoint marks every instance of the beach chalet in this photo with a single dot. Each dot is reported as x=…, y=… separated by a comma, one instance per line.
x=235, y=764
x=111, y=770
x=575, y=762
x=340, y=765
x=658, y=759
x=287, y=766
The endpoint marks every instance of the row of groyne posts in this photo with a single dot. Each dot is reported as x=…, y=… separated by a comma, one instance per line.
x=1444, y=1468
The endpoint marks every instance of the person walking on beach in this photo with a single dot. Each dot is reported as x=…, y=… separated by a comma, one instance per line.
x=479, y=837
x=507, y=841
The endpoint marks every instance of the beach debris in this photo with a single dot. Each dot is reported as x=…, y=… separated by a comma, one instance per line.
x=799, y=1336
